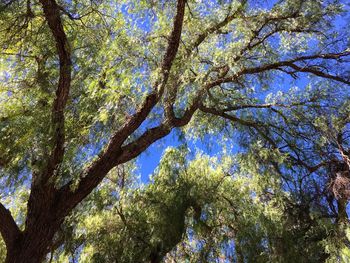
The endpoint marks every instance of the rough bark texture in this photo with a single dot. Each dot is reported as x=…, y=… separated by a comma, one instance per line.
x=32, y=246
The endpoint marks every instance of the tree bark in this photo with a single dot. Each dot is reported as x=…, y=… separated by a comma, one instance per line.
x=30, y=248
x=33, y=244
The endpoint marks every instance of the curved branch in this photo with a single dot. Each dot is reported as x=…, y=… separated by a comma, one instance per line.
x=136, y=147
x=223, y=114
x=291, y=63
x=319, y=73
x=52, y=16
x=174, y=41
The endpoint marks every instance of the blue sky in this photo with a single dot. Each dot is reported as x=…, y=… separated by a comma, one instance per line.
x=149, y=159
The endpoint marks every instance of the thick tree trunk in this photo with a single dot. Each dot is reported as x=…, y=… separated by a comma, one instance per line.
x=28, y=250
x=32, y=246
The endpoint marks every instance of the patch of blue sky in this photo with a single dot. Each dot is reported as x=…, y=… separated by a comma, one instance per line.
x=144, y=19
x=212, y=145
x=262, y=4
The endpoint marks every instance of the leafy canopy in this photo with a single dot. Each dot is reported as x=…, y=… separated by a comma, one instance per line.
x=88, y=86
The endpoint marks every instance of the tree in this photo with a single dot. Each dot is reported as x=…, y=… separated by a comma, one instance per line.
x=89, y=86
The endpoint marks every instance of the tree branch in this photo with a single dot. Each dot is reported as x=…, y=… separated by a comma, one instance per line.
x=98, y=170
x=108, y=158
x=291, y=64
x=8, y=227
x=136, y=147
x=215, y=28
x=319, y=73
x=52, y=16
x=223, y=114
x=260, y=106
x=43, y=195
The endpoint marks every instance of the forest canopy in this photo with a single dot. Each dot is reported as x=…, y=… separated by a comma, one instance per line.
x=253, y=96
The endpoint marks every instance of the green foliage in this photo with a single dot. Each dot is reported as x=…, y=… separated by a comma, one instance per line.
x=198, y=210
x=265, y=84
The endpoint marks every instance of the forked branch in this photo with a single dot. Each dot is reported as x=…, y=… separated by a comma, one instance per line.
x=108, y=158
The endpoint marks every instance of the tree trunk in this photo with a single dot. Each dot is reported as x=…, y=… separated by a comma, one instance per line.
x=31, y=251
x=32, y=246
